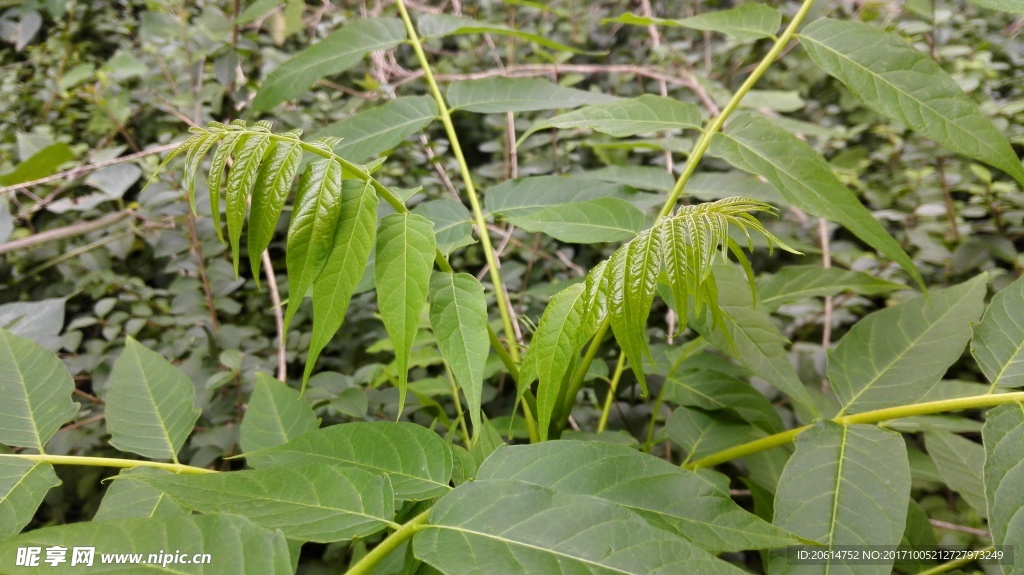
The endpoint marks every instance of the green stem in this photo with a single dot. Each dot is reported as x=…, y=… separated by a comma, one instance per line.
x=467, y=178
x=716, y=124
x=460, y=415
x=367, y=564
x=949, y=566
x=876, y=416
x=109, y=462
x=619, y=367
x=581, y=371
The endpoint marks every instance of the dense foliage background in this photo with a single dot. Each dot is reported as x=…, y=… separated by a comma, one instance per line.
x=93, y=260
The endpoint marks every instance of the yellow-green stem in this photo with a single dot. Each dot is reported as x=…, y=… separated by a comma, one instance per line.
x=716, y=124
x=109, y=462
x=459, y=413
x=366, y=565
x=474, y=200
x=619, y=367
x=876, y=416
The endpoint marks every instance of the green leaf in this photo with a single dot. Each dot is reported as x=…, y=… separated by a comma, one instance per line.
x=125, y=499
x=43, y=163
x=710, y=186
x=405, y=256
x=600, y=220
x=1003, y=437
x=1005, y=5
x=23, y=484
x=621, y=118
x=257, y=10
x=149, y=404
x=554, y=349
x=440, y=25
x=998, y=344
x=36, y=390
x=804, y=178
x=510, y=527
x=714, y=390
x=845, y=485
x=320, y=502
x=499, y=94
x=899, y=81
x=701, y=433
x=525, y=196
x=234, y=545
x=665, y=495
x=458, y=317
x=241, y=178
x=377, y=130
x=452, y=227
x=633, y=276
x=640, y=177
x=960, y=462
x=217, y=164
x=416, y=459
x=273, y=183
x=753, y=338
x=276, y=414
x=354, y=236
x=745, y=22
x=312, y=229
x=794, y=283
x=897, y=355
x=197, y=146
x=339, y=51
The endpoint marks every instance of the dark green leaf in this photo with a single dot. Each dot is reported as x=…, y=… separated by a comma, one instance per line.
x=642, y=115
x=794, y=283
x=452, y=226
x=439, y=25
x=600, y=220
x=276, y=414
x=23, y=484
x=998, y=343
x=380, y=129
x=498, y=95
x=745, y=22
x=1004, y=474
x=36, y=390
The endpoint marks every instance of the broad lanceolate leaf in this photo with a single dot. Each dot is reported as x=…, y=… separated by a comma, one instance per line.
x=745, y=22
x=416, y=459
x=218, y=162
x=960, y=462
x=794, y=283
x=439, y=25
x=804, y=178
x=845, y=485
x=23, y=484
x=633, y=276
x=593, y=221
x=276, y=414
x=233, y=545
x=377, y=130
x=241, y=178
x=702, y=433
x=666, y=495
x=713, y=390
x=273, y=183
x=554, y=349
x=499, y=94
x=149, y=404
x=452, y=227
x=405, y=256
x=312, y=229
x=901, y=82
x=354, y=236
x=524, y=196
x=998, y=343
x=1003, y=437
x=643, y=115
x=317, y=502
x=458, y=316
x=504, y=527
x=36, y=390
x=339, y=51
x=125, y=499
x=897, y=355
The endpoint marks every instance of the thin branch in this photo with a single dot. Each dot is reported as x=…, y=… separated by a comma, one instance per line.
x=81, y=228
x=275, y=300
x=826, y=262
x=79, y=170
x=960, y=528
